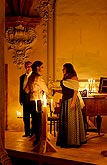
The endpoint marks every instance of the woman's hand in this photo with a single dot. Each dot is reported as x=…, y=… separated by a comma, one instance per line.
x=26, y=89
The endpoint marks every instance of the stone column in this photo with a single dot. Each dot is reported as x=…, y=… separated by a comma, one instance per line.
x=4, y=159
x=50, y=51
x=51, y=44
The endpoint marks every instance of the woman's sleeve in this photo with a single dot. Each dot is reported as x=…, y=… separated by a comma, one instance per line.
x=43, y=86
x=27, y=87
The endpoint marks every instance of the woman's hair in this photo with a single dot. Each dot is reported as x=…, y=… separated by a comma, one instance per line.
x=70, y=71
x=35, y=65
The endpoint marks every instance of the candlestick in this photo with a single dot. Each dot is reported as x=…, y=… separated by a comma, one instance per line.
x=91, y=85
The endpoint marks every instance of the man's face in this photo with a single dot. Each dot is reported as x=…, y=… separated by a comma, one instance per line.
x=28, y=68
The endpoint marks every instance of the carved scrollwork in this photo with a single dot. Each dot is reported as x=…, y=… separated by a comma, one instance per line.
x=45, y=9
x=20, y=39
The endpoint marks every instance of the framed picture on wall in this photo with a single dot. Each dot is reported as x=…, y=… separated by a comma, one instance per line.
x=103, y=85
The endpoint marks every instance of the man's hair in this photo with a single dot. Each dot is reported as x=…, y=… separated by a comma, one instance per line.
x=27, y=63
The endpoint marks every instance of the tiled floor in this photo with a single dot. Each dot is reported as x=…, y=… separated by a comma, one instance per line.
x=90, y=152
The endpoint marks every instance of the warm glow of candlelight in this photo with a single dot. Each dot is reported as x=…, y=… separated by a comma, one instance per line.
x=18, y=114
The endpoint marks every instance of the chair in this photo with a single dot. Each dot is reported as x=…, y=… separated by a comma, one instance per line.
x=54, y=119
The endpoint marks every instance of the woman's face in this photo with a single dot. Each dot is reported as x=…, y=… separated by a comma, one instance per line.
x=64, y=70
x=40, y=69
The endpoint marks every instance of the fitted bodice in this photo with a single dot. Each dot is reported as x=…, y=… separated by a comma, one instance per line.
x=67, y=93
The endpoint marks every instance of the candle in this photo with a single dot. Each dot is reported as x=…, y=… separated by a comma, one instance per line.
x=36, y=105
x=91, y=85
x=44, y=100
x=94, y=86
x=93, y=81
x=52, y=103
x=19, y=114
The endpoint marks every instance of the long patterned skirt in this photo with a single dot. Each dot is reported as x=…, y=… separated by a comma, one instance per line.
x=71, y=131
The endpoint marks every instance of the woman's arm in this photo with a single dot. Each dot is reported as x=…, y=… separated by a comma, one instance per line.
x=74, y=99
x=74, y=96
x=43, y=85
x=26, y=89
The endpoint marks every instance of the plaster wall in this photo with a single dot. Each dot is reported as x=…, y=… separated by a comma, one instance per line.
x=81, y=37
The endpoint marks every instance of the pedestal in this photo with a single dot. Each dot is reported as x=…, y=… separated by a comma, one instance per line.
x=44, y=145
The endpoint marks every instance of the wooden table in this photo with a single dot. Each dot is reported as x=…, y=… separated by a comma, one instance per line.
x=95, y=106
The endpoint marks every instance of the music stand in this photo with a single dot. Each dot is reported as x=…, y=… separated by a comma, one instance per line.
x=103, y=85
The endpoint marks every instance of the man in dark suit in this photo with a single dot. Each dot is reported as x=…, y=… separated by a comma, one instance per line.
x=24, y=98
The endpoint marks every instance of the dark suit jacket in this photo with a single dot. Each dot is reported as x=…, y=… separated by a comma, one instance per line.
x=23, y=97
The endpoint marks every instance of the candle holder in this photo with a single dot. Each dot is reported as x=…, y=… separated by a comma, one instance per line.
x=91, y=86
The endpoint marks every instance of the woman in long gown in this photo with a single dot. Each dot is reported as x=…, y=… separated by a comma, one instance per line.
x=35, y=87
x=71, y=131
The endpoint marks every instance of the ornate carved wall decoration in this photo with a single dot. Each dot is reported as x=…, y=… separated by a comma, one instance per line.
x=20, y=39
x=20, y=35
x=19, y=31
x=45, y=9
x=50, y=83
